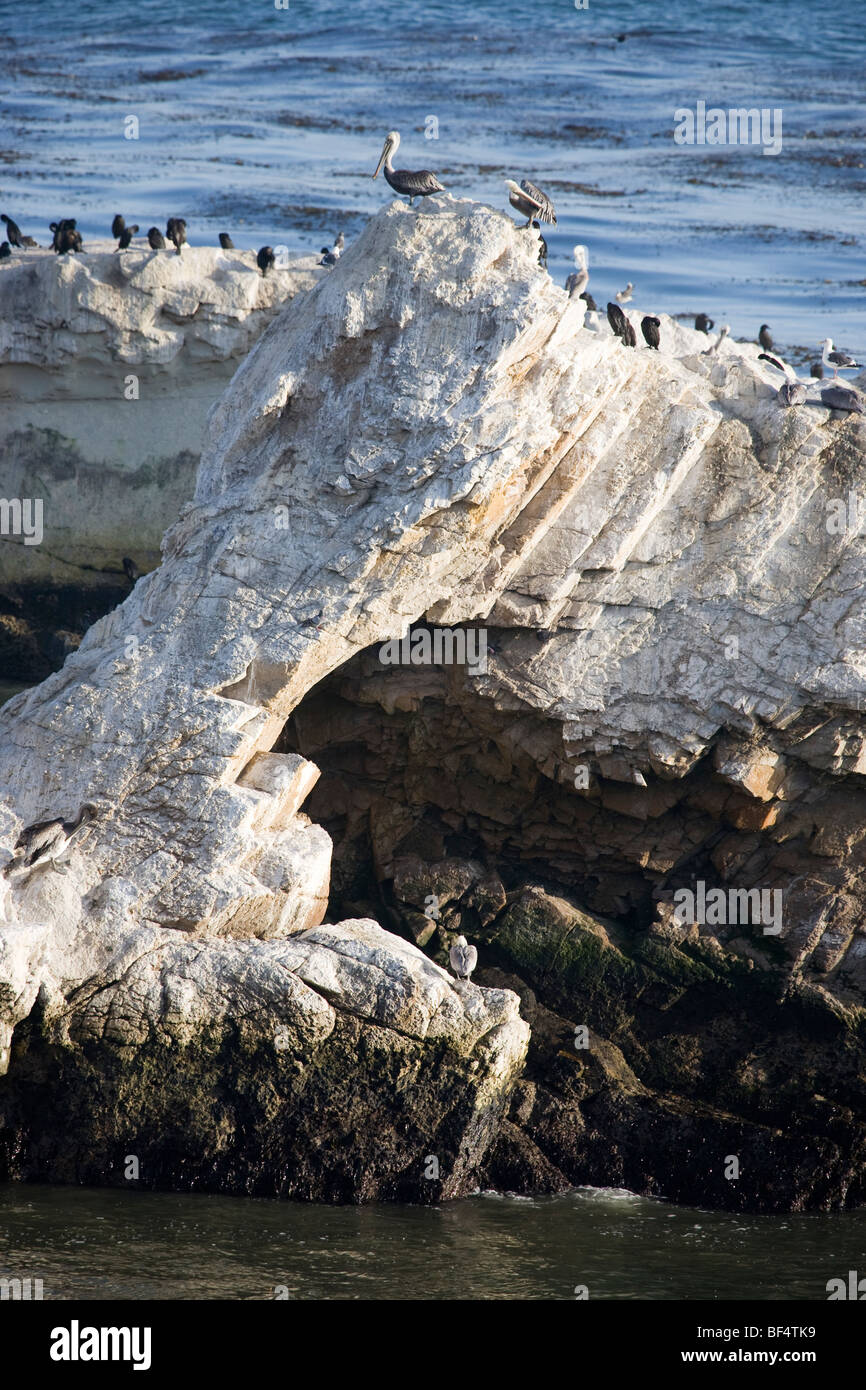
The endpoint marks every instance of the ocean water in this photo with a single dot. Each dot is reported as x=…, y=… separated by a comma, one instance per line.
x=268, y=123
x=92, y=1244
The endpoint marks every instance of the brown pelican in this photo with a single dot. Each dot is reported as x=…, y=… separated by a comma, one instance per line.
x=412, y=183
x=703, y=324
x=578, y=280
x=843, y=398
x=155, y=239
x=47, y=840
x=530, y=201
x=265, y=259
x=839, y=361
x=625, y=296
x=714, y=347
x=649, y=327
x=764, y=337
x=13, y=231
x=226, y=242
x=126, y=236
x=463, y=958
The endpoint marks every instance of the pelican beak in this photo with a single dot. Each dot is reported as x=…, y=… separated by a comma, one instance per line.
x=382, y=157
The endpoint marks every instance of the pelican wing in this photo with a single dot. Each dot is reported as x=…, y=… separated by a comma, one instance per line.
x=416, y=183
x=540, y=201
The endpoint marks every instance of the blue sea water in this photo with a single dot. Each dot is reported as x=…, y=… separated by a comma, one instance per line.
x=268, y=123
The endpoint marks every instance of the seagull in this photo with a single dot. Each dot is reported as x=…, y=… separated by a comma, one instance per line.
x=713, y=349
x=578, y=280
x=839, y=361
x=463, y=958
x=530, y=201
x=417, y=183
x=625, y=296
x=843, y=398
x=649, y=327
x=226, y=243
x=47, y=840
x=265, y=259
x=764, y=337
x=703, y=324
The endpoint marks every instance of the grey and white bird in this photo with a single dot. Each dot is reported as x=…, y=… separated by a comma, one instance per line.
x=331, y=254
x=47, y=840
x=625, y=296
x=839, y=361
x=843, y=398
x=528, y=200
x=412, y=183
x=792, y=391
x=578, y=280
x=463, y=958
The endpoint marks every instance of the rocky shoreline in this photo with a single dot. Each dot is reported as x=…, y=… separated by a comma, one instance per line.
x=430, y=437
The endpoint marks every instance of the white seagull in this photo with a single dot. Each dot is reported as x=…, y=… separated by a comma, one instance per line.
x=839, y=361
x=463, y=958
x=625, y=296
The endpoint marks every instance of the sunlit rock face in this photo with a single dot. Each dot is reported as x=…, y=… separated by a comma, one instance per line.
x=671, y=694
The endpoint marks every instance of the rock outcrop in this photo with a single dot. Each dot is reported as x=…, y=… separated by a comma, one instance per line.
x=109, y=364
x=670, y=704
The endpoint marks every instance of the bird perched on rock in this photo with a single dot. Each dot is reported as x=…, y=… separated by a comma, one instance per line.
x=617, y=320
x=463, y=958
x=578, y=280
x=412, y=183
x=331, y=254
x=764, y=337
x=117, y=225
x=649, y=327
x=59, y=231
x=265, y=259
x=714, y=347
x=29, y=241
x=843, y=398
x=130, y=569
x=175, y=230
x=625, y=296
x=817, y=370
x=530, y=201
x=226, y=242
x=589, y=302
x=13, y=231
x=792, y=391
x=45, y=842
x=542, y=244
x=839, y=361
x=126, y=236
x=5, y=250
x=66, y=236
x=155, y=239
x=703, y=324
